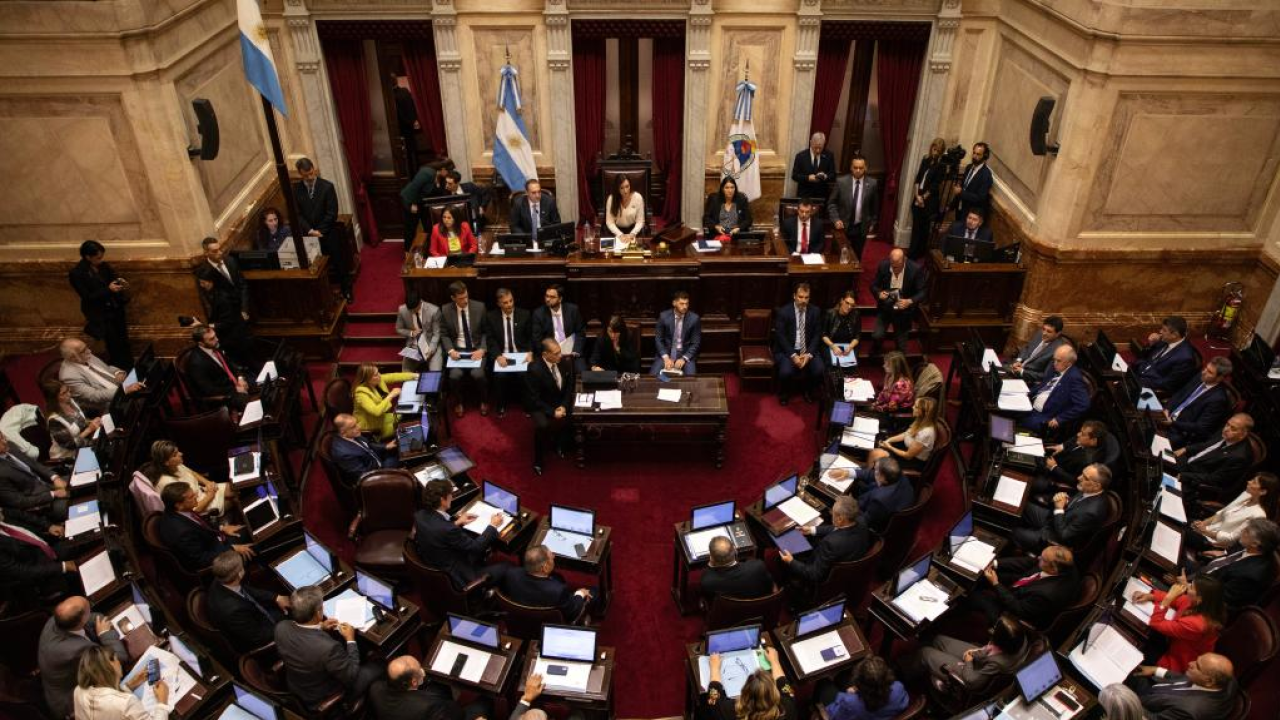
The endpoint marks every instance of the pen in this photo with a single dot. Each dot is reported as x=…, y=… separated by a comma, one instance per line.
x=928, y=598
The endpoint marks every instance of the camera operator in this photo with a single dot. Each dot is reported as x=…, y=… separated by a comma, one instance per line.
x=973, y=190
x=928, y=196
x=814, y=169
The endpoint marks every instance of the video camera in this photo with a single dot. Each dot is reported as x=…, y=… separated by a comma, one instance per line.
x=952, y=158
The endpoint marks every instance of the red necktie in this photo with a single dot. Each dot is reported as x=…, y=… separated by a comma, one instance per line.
x=804, y=238
x=30, y=538
x=225, y=366
x=1027, y=580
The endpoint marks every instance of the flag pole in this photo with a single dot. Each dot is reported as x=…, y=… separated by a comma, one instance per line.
x=282, y=174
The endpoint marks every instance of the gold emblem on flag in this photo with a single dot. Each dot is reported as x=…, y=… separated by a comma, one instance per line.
x=515, y=140
x=260, y=32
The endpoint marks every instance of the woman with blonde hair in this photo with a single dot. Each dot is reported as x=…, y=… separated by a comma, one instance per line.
x=899, y=390
x=99, y=695
x=166, y=468
x=927, y=198
x=374, y=403
x=913, y=446
x=766, y=695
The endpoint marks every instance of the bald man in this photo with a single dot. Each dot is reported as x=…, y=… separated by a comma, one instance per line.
x=91, y=381
x=355, y=454
x=1061, y=398
x=899, y=286
x=1208, y=690
x=72, y=628
x=1031, y=589
x=406, y=694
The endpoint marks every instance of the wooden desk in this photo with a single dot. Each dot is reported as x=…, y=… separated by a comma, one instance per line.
x=898, y=624
x=299, y=306
x=964, y=296
x=1000, y=514
x=942, y=558
x=756, y=520
x=598, y=698
x=496, y=676
x=854, y=642
x=702, y=413
x=515, y=538
x=598, y=561
x=684, y=563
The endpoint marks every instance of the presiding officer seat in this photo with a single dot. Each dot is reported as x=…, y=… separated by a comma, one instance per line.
x=639, y=171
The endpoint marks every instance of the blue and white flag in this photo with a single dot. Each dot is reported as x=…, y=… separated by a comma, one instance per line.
x=512, y=154
x=741, y=155
x=259, y=67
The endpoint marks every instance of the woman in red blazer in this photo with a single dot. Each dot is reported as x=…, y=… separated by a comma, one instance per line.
x=447, y=239
x=1198, y=615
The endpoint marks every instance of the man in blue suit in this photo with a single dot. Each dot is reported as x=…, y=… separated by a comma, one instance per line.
x=354, y=454
x=882, y=492
x=677, y=337
x=443, y=543
x=797, y=337
x=1195, y=412
x=973, y=189
x=1169, y=362
x=1062, y=397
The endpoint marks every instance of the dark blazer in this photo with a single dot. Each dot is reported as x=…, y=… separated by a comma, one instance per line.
x=316, y=664
x=1069, y=400
x=449, y=548
x=1202, y=418
x=982, y=234
x=1246, y=580
x=208, y=378
x=352, y=461
x=544, y=325
x=1072, y=459
x=664, y=335
x=784, y=330
x=840, y=203
x=831, y=323
x=23, y=564
x=521, y=217
x=235, y=292
x=803, y=166
x=1035, y=368
x=832, y=546
x=790, y=229
x=878, y=503
x=1174, y=698
x=711, y=213
x=521, y=330
x=192, y=544
x=1039, y=601
x=975, y=190
x=932, y=175
x=1224, y=467
x=320, y=211
x=1083, y=517
x=431, y=701
x=21, y=489
x=517, y=584
x=476, y=320
x=59, y=659
x=97, y=302
x=914, y=284
x=745, y=579
x=247, y=627
x=604, y=356
x=1170, y=372
x=544, y=396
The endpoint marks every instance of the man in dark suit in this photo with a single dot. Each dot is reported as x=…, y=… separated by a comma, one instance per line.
x=727, y=575
x=1034, y=590
x=477, y=197
x=28, y=485
x=677, y=337
x=1200, y=407
x=973, y=189
x=882, y=492
x=354, y=454
x=846, y=538
x=317, y=201
x=1221, y=463
x=213, y=377
x=1207, y=692
x=226, y=295
x=1169, y=361
x=1073, y=520
x=536, y=210
x=971, y=227
x=103, y=297
x=1035, y=359
x=406, y=694
x=813, y=169
x=560, y=320
x=1246, y=575
x=536, y=584
x=511, y=331
x=72, y=629
x=1063, y=396
x=797, y=343
x=550, y=388
x=247, y=615
x=854, y=205
x=464, y=334
x=441, y=540
x=805, y=232
x=1071, y=457
x=29, y=564
x=899, y=286
x=316, y=665
x=193, y=541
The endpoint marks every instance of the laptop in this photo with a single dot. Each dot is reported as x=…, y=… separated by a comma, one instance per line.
x=734, y=639
x=86, y=470
x=454, y=460
x=571, y=531
x=958, y=248
x=1003, y=429
x=737, y=648
x=775, y=495
x=186, y=655
x=911, y=575
x=819, y=619
x=514, y=244
x=264, y=512
x=565, y=657
x=312, y=565
x=841, y=413
x=411, y=438
x=479, y=633
x=464, y=260
x=248, y=705
x=1038, y=676
x=493, y=499
x=708, y=522
x=376, y=590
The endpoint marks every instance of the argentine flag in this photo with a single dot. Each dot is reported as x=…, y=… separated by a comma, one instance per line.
x=259, y=67
x=741, y=159
x=512, y=154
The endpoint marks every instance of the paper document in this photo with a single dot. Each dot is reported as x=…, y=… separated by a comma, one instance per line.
x=517, y=363
x=858, y=390
x=563, y=675
x=1027, y=445
x=463, y=362
x=1161, y=448
x=735, y=668
x=1014, y=402
x=434, y=471
x=812, y=259
x=84, y=478
x=483, y=511
x=411, y=352
x=174, y=675
x=249, y=474
x=809, y=652
x=609, y=399
x=1166, y=542
x=846, y=360
x=800, y=511
x=1010, y=491
x=1141, y=610
x=974, y=555
x=854, y=439
x=267, y=373
x=435, y=263
x=1171, y=506
x=707, y=246
x=1147, y=400
x=699, y=543
x=841, y=474
x=354, y=611
x=1014, y=386
x=1109, y=659
x=82, y=518
x=96, y=573
x=108, y=425
x=566, y=345
x=473, y=667
x=866, y=425
x=252, y=413
x=922, y=601
x=1118, y=364
x=566, y=544
x=585, y=400
x=670, y=394
x=990, y=358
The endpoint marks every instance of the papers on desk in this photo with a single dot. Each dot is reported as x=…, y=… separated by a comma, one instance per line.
x=86, y=470
x=567, y=544
x=483, y=511
x=253, y=472
x=670, y=394
x=922, y=601
x=974, y=555
x=585, y=400
x=473, y=667
x=841, y=474
x=1027, y=445
x=435, y=263
x=136, y=615
x=800, y=511
x=563, y=675
x=82, y=518
x=609, y=399
x=820, y=651
x=1171, y=506
x=96, y=572
x=267, y=373
x=1166, y=542
x=252, y=413
x=735, y=668
x=990, y=358
x=351, y=608
x=1147, y=400
x=108, y=426
x=1014, y=386
x=812, y=259
x=566, y=345
x=1109, y=659
x=517, y=364
x=699, y=543
x=858, y=390
x=1015, y=396
x=707, y=246
x=847, y=360
x=172, y=673
x=1161, y=448
x=434, y=471
x=862, y=433
x=1010, y=491
x=464, y=362
x=1140, y=610
x=1118, y=364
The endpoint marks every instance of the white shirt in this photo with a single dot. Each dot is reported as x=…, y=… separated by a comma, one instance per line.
x=631, y=214
x=895, y=279
x=461, y=339
x=1227, y=523
x=104, y=703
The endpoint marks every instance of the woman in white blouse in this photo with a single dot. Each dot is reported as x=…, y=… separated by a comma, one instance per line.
x=166, y=468
x=1222, y=529
x=624, y=211
x=100, y=696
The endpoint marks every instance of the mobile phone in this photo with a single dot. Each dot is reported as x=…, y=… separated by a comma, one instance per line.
x=153, y=671
x=557, y=670
x=126, y=626
x=1069, y=702
x=458, y=663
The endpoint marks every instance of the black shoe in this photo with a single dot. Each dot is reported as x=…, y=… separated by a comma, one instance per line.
x=502, y=411
x=784, y=399
x=537, y=470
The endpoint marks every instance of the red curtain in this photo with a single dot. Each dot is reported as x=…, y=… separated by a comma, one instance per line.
x=898, y=78
x=420, y=64
x=828, y=82
x=344, y=60
x=588, y=106
x=668, y=120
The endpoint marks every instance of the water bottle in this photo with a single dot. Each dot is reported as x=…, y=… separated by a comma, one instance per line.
x=846, y=256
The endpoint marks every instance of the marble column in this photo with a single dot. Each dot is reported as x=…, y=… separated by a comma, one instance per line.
x=564, y=141
x=805, y=61
x=928, y=110
x=697, y=64
x=444, y=24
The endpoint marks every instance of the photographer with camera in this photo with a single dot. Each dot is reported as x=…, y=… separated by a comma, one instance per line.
x=899, y=286
x=103, y=297
x=814, y=169
x=973, y=189
x=927, y=198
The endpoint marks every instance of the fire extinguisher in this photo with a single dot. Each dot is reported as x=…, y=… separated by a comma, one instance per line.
x=1224, y=320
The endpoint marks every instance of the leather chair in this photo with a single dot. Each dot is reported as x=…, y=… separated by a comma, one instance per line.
x=1085, y=554
x=49, y=371
x=167, y=565
x=1242, y=708
x=941, y=446
x=346, y=494
x=388, y=499
x=900, y=533
x=850, y=578
x=755, y=354
x=1067, y=620
x=461, y=212
x=21, y=632
x=189, y=399
x=1213, y=497
x=337, y=398
x=728, y=611
x=1250, y=641
x=640, y=173
x=951, y=693
x=526, y=621
x=198, y=615
x=436, y=591
x=204, y=440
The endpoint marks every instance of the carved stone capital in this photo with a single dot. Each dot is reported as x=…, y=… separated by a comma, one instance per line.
x=805, y=64
x=700, y=65
x=449, y=64
x=558, y=64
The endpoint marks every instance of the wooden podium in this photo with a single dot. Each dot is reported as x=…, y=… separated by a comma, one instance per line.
x=298, y=306
x=969, y=296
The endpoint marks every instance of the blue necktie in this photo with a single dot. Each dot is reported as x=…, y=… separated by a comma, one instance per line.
x=1190, y=399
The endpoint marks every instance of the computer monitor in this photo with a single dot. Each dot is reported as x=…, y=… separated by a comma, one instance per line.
x=961, y=531
x=185, y=654
x=429, y=382
x=745, y=637
x=574, y=520
x=565, y=642
x=480, y=633
x=376, y=590
x=829, y=455
x=501, y=498
x=547, y=233
x=261, y=513
x=1002, y=428
x=749, y=237
x=140, y=601
x=86, y=462
x=255, y=704
x=514, y=243
x=820, y=618
x=841, y=413
x=705, y=516
x=1038, y=676
x=460, y=260
x=958, y=247
x=318, y=551
x=909, y=576
x=781, y=491
x=454, y=460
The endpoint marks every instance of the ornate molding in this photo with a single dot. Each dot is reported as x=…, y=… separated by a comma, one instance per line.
x=452, y=65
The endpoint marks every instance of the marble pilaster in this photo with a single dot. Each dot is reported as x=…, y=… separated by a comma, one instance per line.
x=563, y=126
x=696, y=83
x=444, y=25
x=804, y=62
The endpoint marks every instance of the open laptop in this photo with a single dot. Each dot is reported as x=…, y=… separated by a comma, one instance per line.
x=744, y=637
x=86, y=470
x=708, y=522
x=565, y=657
x=783, y=509
x=469, y=630
x=1038, y=676
x=493, y=498
x=311, y=565
x=248, y=705
x=263, y=513
x=186, y=655
x=737, y=648
x=911, y=575
x=571, y=531
x=454, y=460
x=819, y=619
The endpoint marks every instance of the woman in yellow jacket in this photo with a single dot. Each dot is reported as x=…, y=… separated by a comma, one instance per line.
x=374, y=404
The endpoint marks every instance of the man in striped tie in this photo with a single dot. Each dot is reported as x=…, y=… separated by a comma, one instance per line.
x=797, y=335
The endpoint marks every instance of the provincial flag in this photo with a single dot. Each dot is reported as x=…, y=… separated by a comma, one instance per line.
x=259, y=67
x=741, y=155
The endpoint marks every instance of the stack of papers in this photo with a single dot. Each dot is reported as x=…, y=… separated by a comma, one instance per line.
x=96, y=573
x=252, y=413
x=820, y=651
x=351, y=608
x=1118, y=364
x=1166, y=542
x=1141, y=610
x=434, y=263
x=564, y=675
x=86, y=471
x=735, y=668
x=1010, y=491
x=707, y=245
x=670, y=394
x=847, y=360
x=1110, y=657
x=974, y=555
x=800, y=511
x=463, y=362
x=846, y=466
x=1161, y=448
x=268, y=372
x=1014, y=396
x=483, y=511
x=475, y=661
x=990, y=358
x=1027, y=445
x=434, y=471
x=609, y=399
x=922, y=601
x=82, y=518
x=517, y=363
x=1171, y=506
x=585, y=400
x=812, y=259
x=858, y=390
x=699, y=543
x=862, y=433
